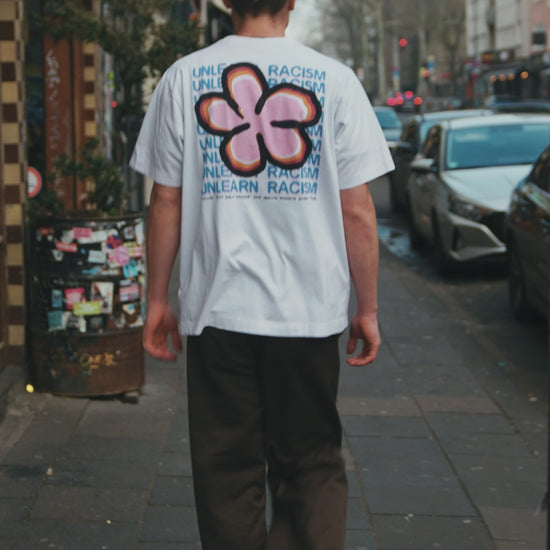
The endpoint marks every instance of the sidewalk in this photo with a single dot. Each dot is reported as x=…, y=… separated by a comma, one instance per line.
x=442, y=451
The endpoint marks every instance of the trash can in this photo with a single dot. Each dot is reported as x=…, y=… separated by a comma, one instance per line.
x=87, y=280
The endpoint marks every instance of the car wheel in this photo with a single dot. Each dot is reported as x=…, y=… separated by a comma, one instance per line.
x=443, y=263
x=415, y=239
x=521, y=308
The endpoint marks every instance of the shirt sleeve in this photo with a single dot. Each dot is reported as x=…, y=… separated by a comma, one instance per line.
x=158, y=152
x=362, y=152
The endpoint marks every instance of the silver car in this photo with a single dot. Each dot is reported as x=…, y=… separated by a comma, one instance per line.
x=461, y=182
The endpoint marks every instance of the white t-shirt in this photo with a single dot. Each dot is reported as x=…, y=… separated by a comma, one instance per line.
x=262, y=134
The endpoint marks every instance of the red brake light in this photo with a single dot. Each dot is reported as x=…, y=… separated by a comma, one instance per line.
x=418, y=100
x=408, y=94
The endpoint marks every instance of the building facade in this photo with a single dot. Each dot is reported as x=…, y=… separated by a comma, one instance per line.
x=507, y=43
x=13, y=176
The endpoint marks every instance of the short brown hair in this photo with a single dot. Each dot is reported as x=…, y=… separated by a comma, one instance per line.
x=257, y=7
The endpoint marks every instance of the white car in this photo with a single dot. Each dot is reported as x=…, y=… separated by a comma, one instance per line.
x=461, y=183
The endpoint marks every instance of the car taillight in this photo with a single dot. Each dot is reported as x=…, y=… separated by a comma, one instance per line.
x=418, y=100
x=399, y=100
x=408, y=94
x=390, y=101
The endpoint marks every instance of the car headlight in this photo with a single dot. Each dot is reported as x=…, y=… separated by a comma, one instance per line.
x=467, y=209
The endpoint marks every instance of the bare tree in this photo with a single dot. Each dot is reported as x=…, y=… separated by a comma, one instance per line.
x=353, y=31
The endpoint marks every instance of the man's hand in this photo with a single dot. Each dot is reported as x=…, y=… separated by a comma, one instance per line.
x=363, y=328
x=160, y=325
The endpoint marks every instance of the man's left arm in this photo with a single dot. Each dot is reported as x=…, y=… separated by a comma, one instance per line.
x=162, y=244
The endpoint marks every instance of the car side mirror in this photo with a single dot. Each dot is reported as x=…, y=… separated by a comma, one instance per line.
x=424, y=165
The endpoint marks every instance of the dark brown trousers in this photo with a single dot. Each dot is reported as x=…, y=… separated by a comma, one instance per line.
x=257, y=403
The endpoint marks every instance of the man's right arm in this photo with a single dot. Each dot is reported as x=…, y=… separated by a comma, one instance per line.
x=162, y=244
x=361, y=235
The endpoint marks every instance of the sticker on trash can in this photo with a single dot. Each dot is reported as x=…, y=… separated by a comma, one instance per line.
x=87, y=308
x=129, y=291
x=57, y=298
x=103, y=292
x=73, y=296
x=56, y=320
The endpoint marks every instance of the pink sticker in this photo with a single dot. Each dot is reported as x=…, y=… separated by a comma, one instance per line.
x=122, y=255
x=66, y=247
x=138, y=251
x=74, y=296
x=82, y=232
x=129, y=293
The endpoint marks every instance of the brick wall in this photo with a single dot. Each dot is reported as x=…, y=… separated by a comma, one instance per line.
x=13, y=174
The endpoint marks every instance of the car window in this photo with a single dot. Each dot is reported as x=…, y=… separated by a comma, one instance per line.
x=431, y=146
x=424, y=127
x=388, y=119
x=540, y=175
x=499, y=145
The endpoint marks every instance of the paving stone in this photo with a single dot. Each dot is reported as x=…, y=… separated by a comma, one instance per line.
x=517, y=545
x=444, y=386
x=81, y=535
x=452, y=403
x=392, y=461
x=359, y=539
x=357, y=514
x=168, y=546
x=120, y=448
x=178, y=434
x=402, y=499
x=430, y=532
x=383, y=378
x=496, y=471
x=451, y=373
x=349, y=460
x=399, y=405
x=173, y=491
x=102, y=473
x=174, y=464
x=362, y=426
x=162, y=374
x=469, y=422
x=32, y=454
x=433, y=350
x=89, y=504
x=13, y=513
x=170, y=524
x=20, y=481
x=115, y=419
x=510, y=494
x=354, y=485
x=515, y=524
x=483, y=444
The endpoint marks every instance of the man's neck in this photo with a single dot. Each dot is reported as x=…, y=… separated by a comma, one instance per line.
x=263, y=26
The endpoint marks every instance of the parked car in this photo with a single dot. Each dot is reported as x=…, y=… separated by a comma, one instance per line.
x=390, y=122
x=413, y=135
x=522, y=106
x=528, y=242
x=460, y=184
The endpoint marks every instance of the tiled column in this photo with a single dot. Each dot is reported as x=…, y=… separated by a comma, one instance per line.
x=13, y=175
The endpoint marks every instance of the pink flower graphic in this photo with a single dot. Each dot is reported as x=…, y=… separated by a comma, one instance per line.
x=258, y=123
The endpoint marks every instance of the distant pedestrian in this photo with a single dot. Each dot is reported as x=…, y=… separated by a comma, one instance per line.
x=261, y=150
